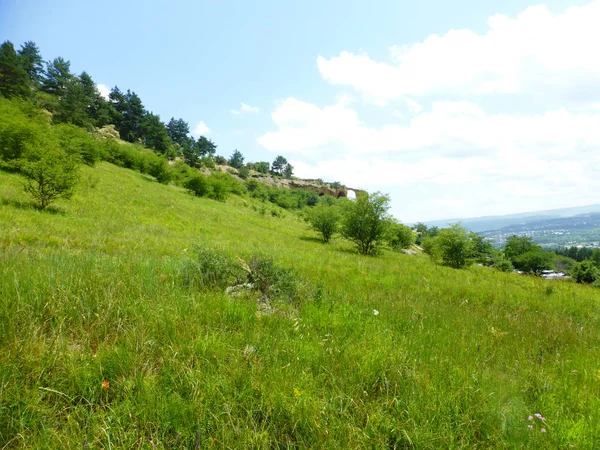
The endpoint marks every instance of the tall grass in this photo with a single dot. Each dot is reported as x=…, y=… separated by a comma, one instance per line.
x=386, y=352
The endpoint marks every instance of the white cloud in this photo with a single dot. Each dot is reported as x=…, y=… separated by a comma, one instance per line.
x=448, y=128
x=245, y=109
x=450, y=149
x=413, y=106
x=535, y=52
x=201, y=129
x=104, y=90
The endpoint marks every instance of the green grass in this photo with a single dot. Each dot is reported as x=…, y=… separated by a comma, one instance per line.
x=93, y=291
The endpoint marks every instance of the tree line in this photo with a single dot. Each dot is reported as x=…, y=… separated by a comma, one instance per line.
x=43, y=93
x=75, y=99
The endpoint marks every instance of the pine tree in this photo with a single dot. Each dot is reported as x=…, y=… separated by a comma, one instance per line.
x=32, y=62
x=155, y=134
x=178, y=131
x=58, y=75
x=14, y=81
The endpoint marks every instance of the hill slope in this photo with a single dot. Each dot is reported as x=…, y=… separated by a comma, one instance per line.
x=103, y=344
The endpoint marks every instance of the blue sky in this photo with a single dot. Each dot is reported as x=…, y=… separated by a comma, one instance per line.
x=456, y=109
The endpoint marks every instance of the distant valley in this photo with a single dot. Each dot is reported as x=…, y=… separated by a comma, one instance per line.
x=568, y=226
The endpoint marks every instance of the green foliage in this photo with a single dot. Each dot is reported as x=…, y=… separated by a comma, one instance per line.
x=155, y=135
x=178, y=131
x=198, y=185
x=32, y=62
x=262, y=167
x=399, y=236
x=76, y=141
x=516, y=246
x=364, y=221
x=585, y=272
x=453, y=247
x=482, y=250
x=211, y=269
x=243, y=172
x=236, y=160
x=14, y=81
x=19, y=127
x=52, y=174
x=220, y=160
x=324, y=219
x=504, y=265
x=97, y=295
x=270, y=279
x=563, y=263
x=279, y=166
x=533, y=261
x=57, y=77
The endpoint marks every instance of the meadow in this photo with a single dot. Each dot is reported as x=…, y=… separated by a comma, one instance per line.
x=103, y=344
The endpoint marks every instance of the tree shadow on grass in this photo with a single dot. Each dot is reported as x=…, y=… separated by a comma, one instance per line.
x=30, y=206
x=311, y=239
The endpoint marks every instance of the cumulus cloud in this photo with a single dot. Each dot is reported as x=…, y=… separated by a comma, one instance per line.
x=450, y=128
x=537, y=51
x=201, y=129
x=445, y=148
x=104, y=90
x=245, y=109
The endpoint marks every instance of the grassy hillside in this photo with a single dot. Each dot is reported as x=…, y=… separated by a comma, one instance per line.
x=103, y=344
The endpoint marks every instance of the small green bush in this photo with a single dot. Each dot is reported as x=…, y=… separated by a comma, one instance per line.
x=199, y=185
x=51, y=173
x=212, y=269
x=324, y=220
x=400, y=236
x=270, y=279
x=585, y=272
x=504, y=265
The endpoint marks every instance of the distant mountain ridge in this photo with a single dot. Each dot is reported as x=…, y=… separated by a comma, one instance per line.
x=491, y=223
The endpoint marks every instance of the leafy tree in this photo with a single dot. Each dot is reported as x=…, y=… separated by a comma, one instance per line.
x=32, y=62
x=14, y=81
x=178, y=131
x=585, y=272
x=51, y=173
x=57, y=77
x=262, y=167
x=221, y=160
x=482, y=250
x=399, y=236
x=517, y=246
x=236, y=160
x=324, y=219
x=364, y=221
x=533, y=261
x=279, y=166
x=453, y=246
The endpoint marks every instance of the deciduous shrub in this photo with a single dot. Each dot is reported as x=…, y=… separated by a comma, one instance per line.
x=399, y=236
x=198, y=185
x=324, y=219
x=364, y=221
x=212, y=269
x=51, y=174
x=585, y=272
